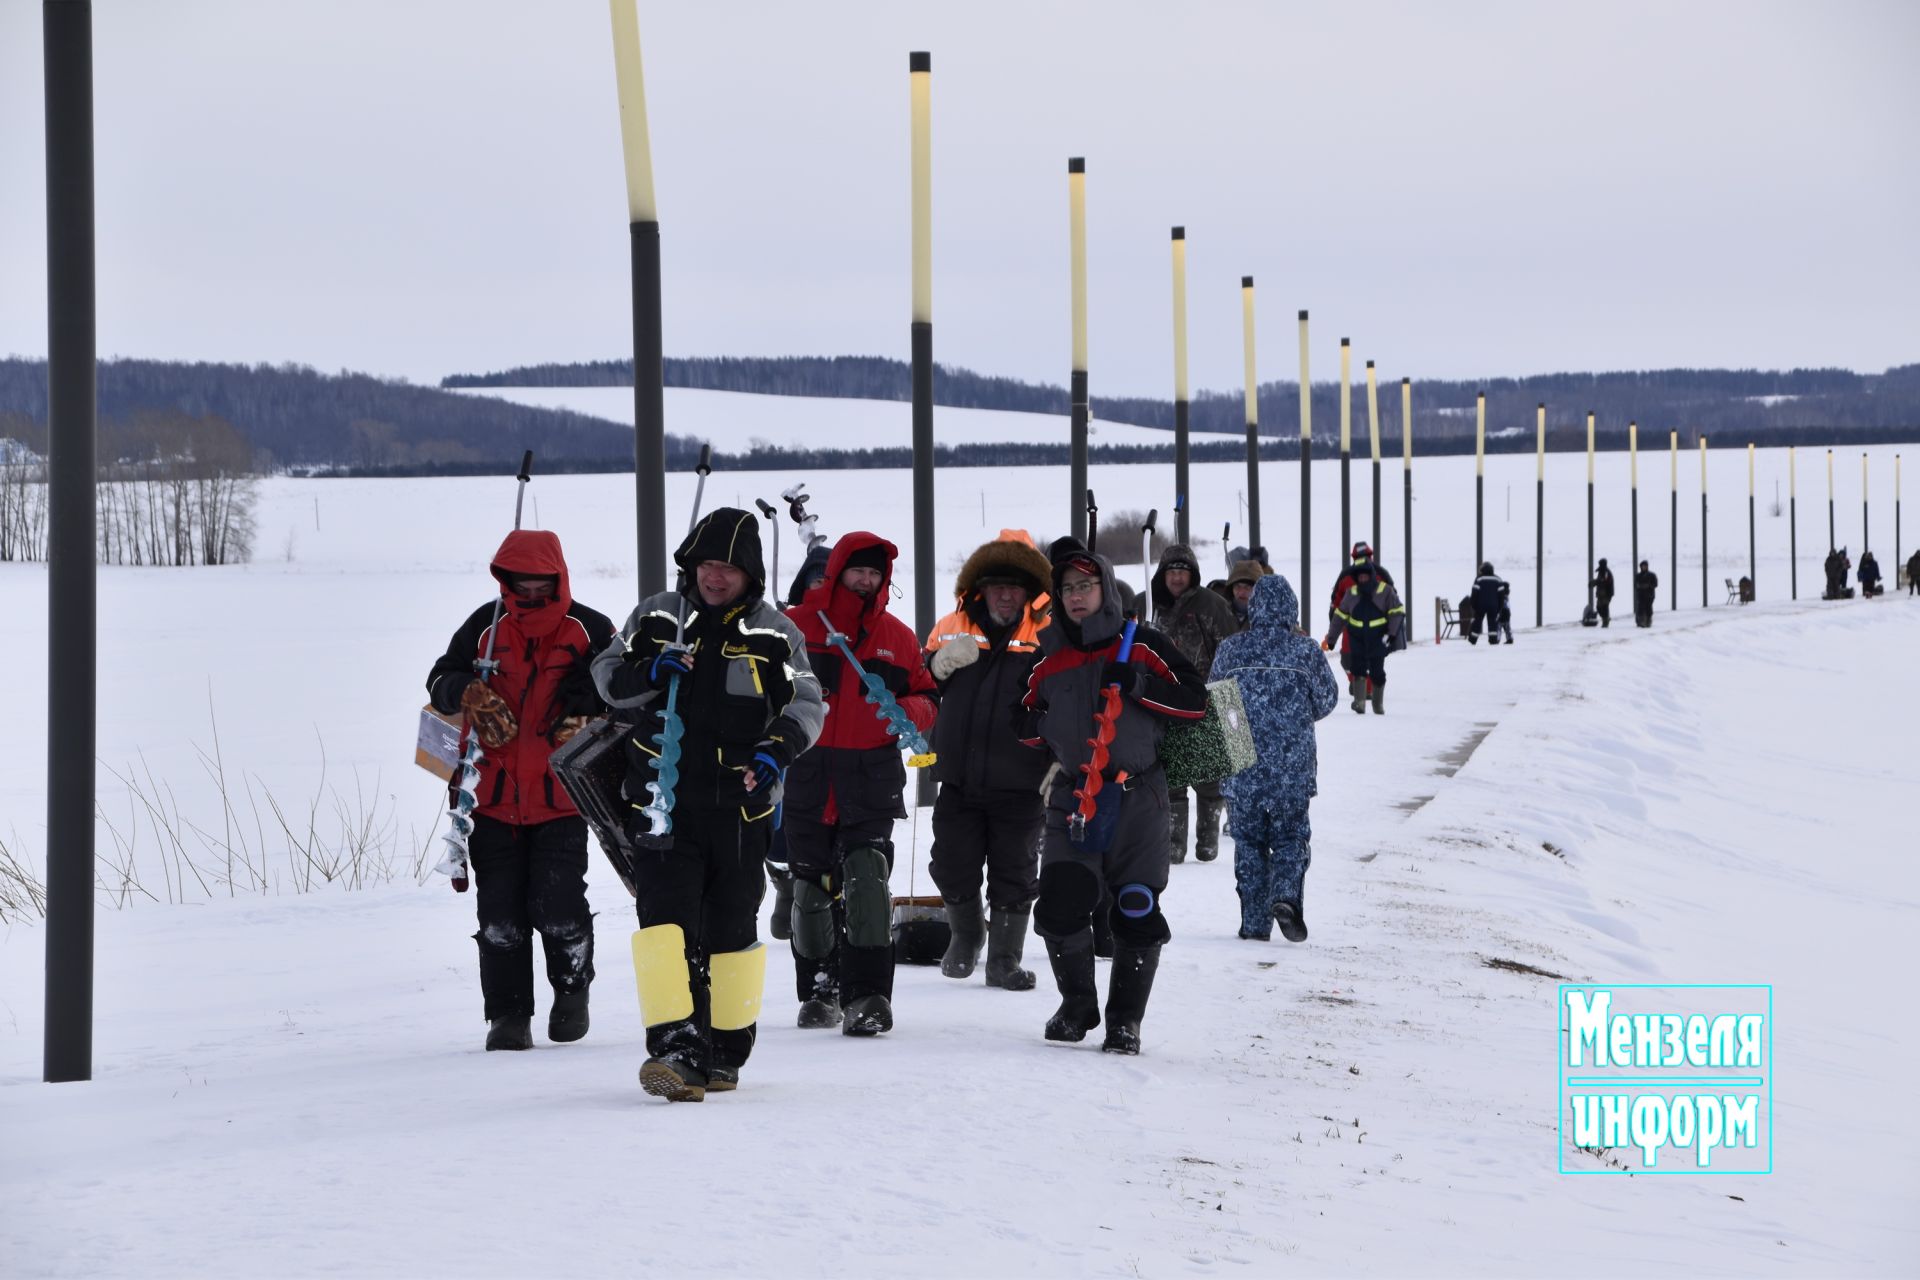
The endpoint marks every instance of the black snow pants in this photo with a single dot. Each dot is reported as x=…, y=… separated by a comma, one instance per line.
x=709, y=882
x=527, y=878
x=817, y=852
x=995, y=832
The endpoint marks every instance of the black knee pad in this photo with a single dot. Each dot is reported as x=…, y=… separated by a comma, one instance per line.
x=869, y=899
x=1068, y=894
x=1136, y=917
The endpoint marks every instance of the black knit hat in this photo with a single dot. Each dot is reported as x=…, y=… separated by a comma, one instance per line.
x=727, y=534
x=870, y=557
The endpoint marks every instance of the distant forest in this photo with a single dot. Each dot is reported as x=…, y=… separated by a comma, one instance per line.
x=1809, y=403
x=296, y=418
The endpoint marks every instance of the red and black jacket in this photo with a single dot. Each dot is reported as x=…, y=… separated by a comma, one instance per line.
x=543, y=651
x=854, y=773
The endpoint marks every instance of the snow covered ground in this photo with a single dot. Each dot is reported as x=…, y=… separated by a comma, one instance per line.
x=733, y=421
x=293, y=1084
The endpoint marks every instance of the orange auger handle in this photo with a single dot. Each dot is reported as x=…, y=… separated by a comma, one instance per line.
x=1092, y=773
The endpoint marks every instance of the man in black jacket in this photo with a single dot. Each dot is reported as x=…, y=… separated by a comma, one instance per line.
x=736, y=672
x=988, y=813
x=1645, y=583
x=1603, y=592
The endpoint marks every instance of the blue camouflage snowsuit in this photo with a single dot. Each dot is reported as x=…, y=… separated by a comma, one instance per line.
x=1286, y=685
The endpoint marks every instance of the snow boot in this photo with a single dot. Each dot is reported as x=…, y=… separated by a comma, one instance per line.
x=1006, y=942
x=1079, y=1010
x=866, y=1016
x=1177, y=826
x=1128, y=987
x=723, y=1079
x=821, y=1011
x=781, y=925
x=1206, y=832
x=514, y=1031
x=1380, y=699
x=1291, y=917
x=673, y=1079
x=967, y=933
x=567, y=1019
x=1357, y=687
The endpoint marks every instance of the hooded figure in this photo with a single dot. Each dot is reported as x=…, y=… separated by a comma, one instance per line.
x=1374, y=622
x=1285, y=686
x=1358, y=558
x=734, y=671
x=528, y=850
x=1869, y=575
x=1603, y=592
x=1489, y=597
x=1124, y=847
x=1240, y=586
x=1645, y=583
x=845, y=794
x=1196, y=620
x=988, y=813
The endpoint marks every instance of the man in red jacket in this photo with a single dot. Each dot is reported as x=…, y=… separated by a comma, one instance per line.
x=529, y=845
x=844, y=794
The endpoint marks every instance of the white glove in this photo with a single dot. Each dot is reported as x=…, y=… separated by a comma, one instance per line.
x=956, y=653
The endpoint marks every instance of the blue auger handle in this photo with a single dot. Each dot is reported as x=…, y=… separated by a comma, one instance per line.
x=885, y=706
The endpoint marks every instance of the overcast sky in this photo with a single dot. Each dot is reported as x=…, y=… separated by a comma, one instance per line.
x=420, y=187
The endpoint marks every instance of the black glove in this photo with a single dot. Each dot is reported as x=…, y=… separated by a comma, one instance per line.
x=1124, y=674
x=769, y=765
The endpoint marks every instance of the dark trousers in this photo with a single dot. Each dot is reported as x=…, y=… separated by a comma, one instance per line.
x=1138, y=856
x=990, y=835
x=815, y=851
x=1643, y=608
x=709, y=882
x=528, y=878
x=1605, y=605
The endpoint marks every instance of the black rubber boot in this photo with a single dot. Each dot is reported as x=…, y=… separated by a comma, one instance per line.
x=1177, y=826
x=1079, y=1010
x=1103, y=926
x=1380, y=699
x=1291, y=916
x=1006, y=943
x=514, y=1031
x=1206, y=831
x=1357, y=688
x=967, y=930
x=823, y=1010
x=1127, y=990
x=567, y=1019
x=866, y=1016
x=781, y=924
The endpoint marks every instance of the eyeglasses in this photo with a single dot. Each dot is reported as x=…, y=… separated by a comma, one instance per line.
x=1079, y=587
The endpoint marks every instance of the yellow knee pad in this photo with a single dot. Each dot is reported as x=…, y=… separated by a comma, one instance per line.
x=738, y=979
x=660, y=972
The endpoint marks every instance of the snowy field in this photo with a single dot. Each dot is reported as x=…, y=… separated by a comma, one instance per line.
x=733, y=421
x=293, y=1084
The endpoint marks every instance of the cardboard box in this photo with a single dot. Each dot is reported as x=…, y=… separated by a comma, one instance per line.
x=437, y=749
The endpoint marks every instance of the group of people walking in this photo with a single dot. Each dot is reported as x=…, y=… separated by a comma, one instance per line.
x=1045, y=702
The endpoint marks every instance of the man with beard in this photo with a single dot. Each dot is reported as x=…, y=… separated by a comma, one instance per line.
x=529, y=844
x=1123, y=847
x=747, y=705
x=844, y=795
x=987, y=817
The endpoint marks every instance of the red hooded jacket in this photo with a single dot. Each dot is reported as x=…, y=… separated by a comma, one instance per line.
x=543, y=650
x=832, y=778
